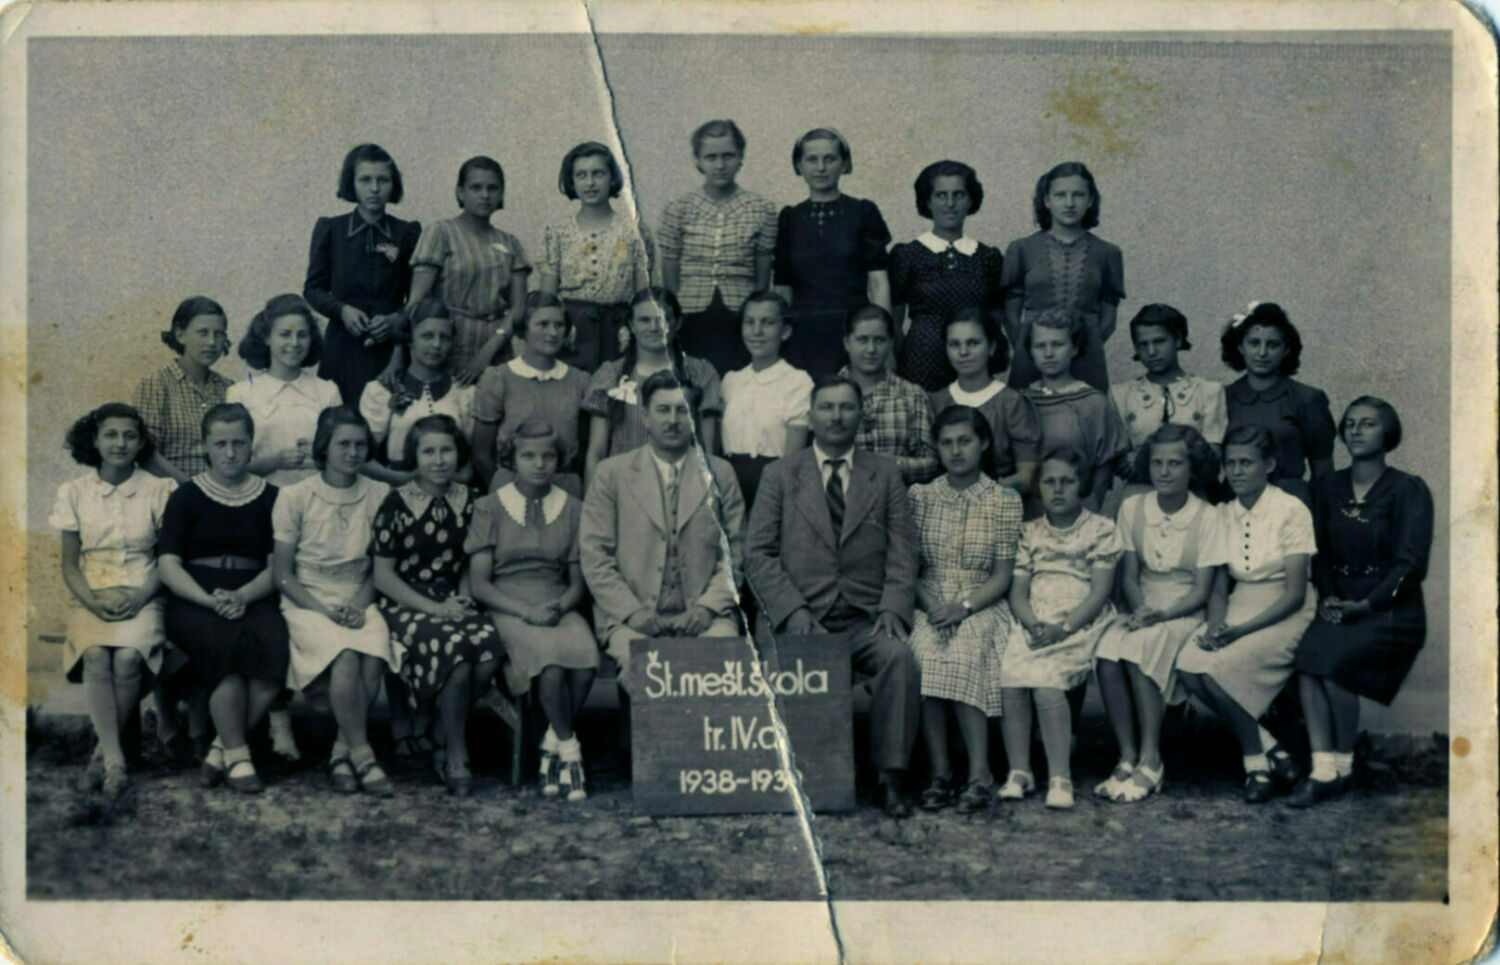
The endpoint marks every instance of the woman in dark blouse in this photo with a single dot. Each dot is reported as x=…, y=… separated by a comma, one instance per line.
x=1265, y=345
x=830, y=254
x=359, y=271
x=1374, y=528
x=215, y=545
x=941, y=273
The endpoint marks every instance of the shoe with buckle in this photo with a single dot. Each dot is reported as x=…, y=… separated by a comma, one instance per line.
x=373, y=779
x=1059, y=793
x=241, y=777
x=1017, y=785
x=1111, y=786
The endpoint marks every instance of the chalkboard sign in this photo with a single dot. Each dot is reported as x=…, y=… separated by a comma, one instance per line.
x=703, y=736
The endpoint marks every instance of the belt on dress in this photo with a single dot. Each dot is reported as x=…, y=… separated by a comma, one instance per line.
x=228, y=561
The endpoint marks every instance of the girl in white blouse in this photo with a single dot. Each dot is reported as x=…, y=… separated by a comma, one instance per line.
x=765, y=403
x=1244, y=654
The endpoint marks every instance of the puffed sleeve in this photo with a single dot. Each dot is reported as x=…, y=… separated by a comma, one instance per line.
x=1215, y=412
x=596, y=398
x=331, y=397
x=1316, y=420
x=520, y=261
x=1413, y=543
x=286, y=515
x=464, y=401
x=706, y=378
x=165, y=487
x=1011, y=511
x=1112, y=439
x=483, y=529
x=1112, y=276
x=874, y=237
x=375, y=406
x=1294, y=532
x=1125, y=522
x=489, y=395
x=901, y=274
x=385, y=536
x=797, y=401
x=150, y=400
x=1013, y=273
x=782, y=272
x=318, y=285
x=765, y=238
x=1105, y=548
x=669, y=231
x=1022, y=426
x=177, y=524
x=432, y=246
x=65, y=508
x=551, y=263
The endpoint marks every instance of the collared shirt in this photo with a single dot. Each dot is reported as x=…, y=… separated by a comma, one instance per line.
x=173, y=407
x=1163, y=540
x=825, y=467
x=1190, y=401
x=898, y=422
x=352, y=262
x=1254, y=543
x=1296, y=415
x=509, y=394
x=716, y=244
x=392, y=426
x=330, y=530
x=286, y=416
x=117, y=525
x=964, y=245
x=760, y=406
x=608, y=265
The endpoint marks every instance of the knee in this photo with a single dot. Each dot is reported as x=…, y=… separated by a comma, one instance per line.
x=96, y=662
x=1050, y=698
x=128, y=663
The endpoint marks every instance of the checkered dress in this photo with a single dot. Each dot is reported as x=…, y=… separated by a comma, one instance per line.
x=898, y=423
x=964, y=535
x=173, y=408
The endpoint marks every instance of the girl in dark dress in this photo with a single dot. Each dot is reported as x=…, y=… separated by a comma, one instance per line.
x=359, y=271
x=1265, y=345
x=448, y=650
x=215, y=549
x=1374, y=529
x=941, y=273
x=830, y=254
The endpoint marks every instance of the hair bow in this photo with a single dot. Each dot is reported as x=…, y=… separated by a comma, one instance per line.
x=1238, y=319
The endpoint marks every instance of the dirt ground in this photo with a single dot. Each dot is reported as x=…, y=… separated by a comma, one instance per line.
x=1385, y=841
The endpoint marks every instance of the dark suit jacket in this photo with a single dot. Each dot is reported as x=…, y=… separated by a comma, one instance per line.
x=794, y=559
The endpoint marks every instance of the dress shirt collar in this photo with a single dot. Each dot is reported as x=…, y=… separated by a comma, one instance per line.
x=126, y=488
x=358, y=224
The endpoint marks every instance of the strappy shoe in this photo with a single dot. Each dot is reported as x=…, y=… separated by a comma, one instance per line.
x=1309, y=792
x=1017, y=785
x=341, y=775
x=977, y=796
x=1059, y=793
x=373, y=779
x=570, y=780
x=1259, y=787
x=548, y=774
x=1142, y=784
x=211, y=771
x=1284, y=769
x=939, y=794
x=1111, y=786
x=241, y=777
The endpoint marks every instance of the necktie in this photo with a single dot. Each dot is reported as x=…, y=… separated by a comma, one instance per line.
x=836, y=495
x=534, y=512
x=671, y=498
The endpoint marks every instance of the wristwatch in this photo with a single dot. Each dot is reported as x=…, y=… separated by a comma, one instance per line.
x=968, y=607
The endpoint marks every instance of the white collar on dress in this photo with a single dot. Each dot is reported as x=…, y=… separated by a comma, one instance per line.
x=975, y=399
x=964, y=246
x=1182, y=519
x=520, y=367
x=513, y=501
x=771, y=373
x=417, y=500
x=248, y=491
x=127, y=488
x=1262, y=507
x=270, y=385
x=363, y=487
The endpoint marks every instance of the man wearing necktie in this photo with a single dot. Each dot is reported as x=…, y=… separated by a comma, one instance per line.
x=660, y=548
x=831, y=548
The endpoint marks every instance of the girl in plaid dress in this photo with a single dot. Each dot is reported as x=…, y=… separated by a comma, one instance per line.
x=968, y=525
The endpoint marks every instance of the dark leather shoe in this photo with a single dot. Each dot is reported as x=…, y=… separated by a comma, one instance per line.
x=1309, y=792
x=892, y=801
x=1258, y=787
x=939, y=794
x=1284, y=769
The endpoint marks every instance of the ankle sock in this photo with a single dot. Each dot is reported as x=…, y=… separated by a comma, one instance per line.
x=233, y=755
x=570, y=750
x=1323, y=767
x=1267, y=739
x=340, y=749
x=1343, y=764
x=1256, y=762
x=550, y=743
x=362, y=755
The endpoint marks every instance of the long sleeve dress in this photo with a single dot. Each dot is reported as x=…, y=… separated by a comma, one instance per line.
x=1080, y=276
x=935, y=280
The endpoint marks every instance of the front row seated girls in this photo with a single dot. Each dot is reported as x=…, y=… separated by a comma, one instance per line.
x=523, y=544
x=831, y=548
x=660, y=538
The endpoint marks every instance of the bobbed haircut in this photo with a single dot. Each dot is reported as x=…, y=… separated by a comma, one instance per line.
x=947, y=169
x=665, y=380
x=255, y=346
x=1203, y=464
x=1000, y=360
x=1162, y=316
x=834, y=381
x=1270, y=315
x=329, y=421
x=480, y=163
x=822, y=134
x=1062, y=320
x=82, y=439
x=440, y=424
x=187, y=310
x=534, y=427
x=589, y=149
x=718, y=128
x=767, y=296
x=370, y=154
x=1072, y=456
x=225, y=413
x=1257, y=437
x=1389, y=420
x=964, y=415
x=1068, y=169
x=414, y=314
x=868, y=313
x=540, y=299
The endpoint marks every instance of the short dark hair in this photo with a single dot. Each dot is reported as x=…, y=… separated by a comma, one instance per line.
x=371, y=154
x=1070, y=322
x=1074, y=457
x=834, y=381
x=664, y=380
x=82, y=443
x=187, y=310
x=767, y=295
x=540, y=299
x=255, y=347
x=822, y=134
x=1270, y=315
x=414, y=314
x=481, y=163
x=1203, y=464
x=866, y=313
x=226, y=412
x=1248, y=435
x=589, y=149
x=534, y=427
x=947, y=169
x=442, y=424
x=1068, y=169
x=718, y=128
x=964, y=415
x=1162, y=316
x=1000, y=360
x=329, y=421
x=1389, y=420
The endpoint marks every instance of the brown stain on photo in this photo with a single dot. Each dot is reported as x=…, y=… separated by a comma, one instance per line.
x=1107, y=107
x=1461, y=746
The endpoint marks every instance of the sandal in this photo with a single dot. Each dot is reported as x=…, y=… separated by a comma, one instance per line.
x=341, y=774
x=939, y=794
x=1059, y=793
x=244, y=783
x=1017, y=785
x=1144, y=783
x=977, y=796
x=211, y=771
x=373, y=780
x=1111, y=786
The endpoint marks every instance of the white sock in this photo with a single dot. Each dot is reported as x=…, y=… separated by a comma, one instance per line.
x=1343, y=764
x=570, y=749
x=550, y=742
x=1256, y=762
x=1267, y=739
x=339, y=749
x=233, y=755
x=1323, y=768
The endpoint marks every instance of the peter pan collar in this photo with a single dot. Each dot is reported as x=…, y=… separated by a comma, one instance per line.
x=1156, y=518
x=513, y=501
x=1244, y=394
x=342, y=497
x=126, y=488
x=771, y=373
x=975, y=399
x=964, y=246
x=1263, y=507
x=271, y=386
x=520, y=367
x=417, y=499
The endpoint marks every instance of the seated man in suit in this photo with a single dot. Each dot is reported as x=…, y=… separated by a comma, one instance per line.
x=660, y=549
x=832, y=548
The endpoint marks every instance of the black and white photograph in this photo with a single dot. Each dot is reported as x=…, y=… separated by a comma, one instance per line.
x=750, y=482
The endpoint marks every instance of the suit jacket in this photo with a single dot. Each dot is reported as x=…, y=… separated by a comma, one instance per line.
x=622, y=537
x=794, y=559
